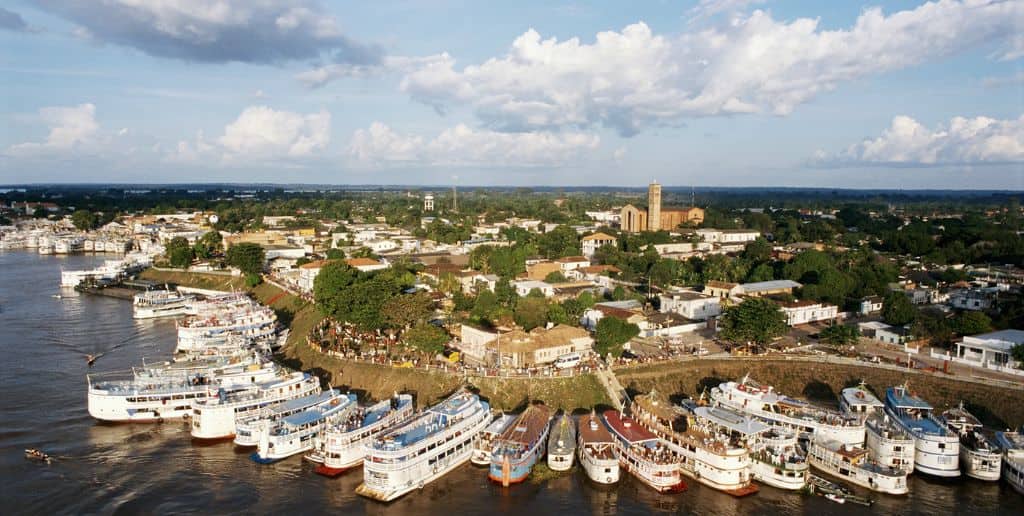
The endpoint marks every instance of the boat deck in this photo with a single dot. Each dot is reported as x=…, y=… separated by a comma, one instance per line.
x=627, y=428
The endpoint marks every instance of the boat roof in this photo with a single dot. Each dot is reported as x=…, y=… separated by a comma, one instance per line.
x=500, y=424
x=318, y=411
x=377, y=411
x=304, y=401
x=901, y=398
x=731, y=420
x=529, y=425
x=596, y=434
x=1010, y=440
x=859, y=395
x=633, y=433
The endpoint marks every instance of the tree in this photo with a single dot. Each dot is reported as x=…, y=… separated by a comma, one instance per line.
x=247, y=257
x=208, y=244
x=758, y=251
x=179, y=253
x=335, y=254
x=971, y=323
x=897, y=309
x=333, y=278
x=559, y=242
x=756, y=320
x=611, y=333
x=83, y=219
x=426, y=338
x=405, y=310
x=531, y=312
x=1017, y=352
x=618, y=293
x=485, y=307
x=557, y=314
x=840, y=334
x=933, y=324
x=555, y=277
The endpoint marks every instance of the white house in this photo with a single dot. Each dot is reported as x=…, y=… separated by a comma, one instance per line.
x=971, y=299
x=523, y=287
x=690, y=304
x=569, y=263
x=473, y=343
x=989, y=349
x=591, y=243
x=870, y=305
x=307, y=274
x=804, y=312
x=366, y=264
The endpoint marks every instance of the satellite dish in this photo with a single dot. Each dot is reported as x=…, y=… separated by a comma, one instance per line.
x=214, y=218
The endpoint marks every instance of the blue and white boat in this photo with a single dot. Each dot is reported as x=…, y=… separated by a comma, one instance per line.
x=936, y=448
x=247, y=429
x=418, y=452
x=519, y=447
x=216, y=417
x=343, y=444
x=1012, y=446
x=295, y=433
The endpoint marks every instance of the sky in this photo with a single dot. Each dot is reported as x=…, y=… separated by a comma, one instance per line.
x=884, y=94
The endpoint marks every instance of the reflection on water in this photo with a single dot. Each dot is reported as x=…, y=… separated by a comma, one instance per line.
x=156, y=468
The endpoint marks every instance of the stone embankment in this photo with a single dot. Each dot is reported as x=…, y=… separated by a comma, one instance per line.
x=998, y=405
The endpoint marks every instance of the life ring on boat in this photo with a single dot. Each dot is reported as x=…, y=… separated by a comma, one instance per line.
x=608, y=480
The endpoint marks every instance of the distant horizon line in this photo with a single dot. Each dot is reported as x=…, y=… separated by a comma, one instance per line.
x=442, y=187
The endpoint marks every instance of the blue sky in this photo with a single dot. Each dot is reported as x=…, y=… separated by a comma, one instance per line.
x=706, y=93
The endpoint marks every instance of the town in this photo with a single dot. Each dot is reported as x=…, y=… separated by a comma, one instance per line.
x=436, y=289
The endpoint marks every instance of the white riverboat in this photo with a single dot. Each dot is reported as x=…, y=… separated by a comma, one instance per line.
x=160, y=303
x=1012, y=445
x=216, y=417
x=596, y=450
x=342, y=446
x=980, y=458
x=936, y=448
x=775, y=409
x=482, y=446
x=777, y=460
x=562, y=443
x=422, y=450
x=643, y=454
x=295, y=433
x=156, y=394
x=254, y=322
x=228, y=301
x=852, y=464
x=247, y=429
x=888, y=443
x=703, y=440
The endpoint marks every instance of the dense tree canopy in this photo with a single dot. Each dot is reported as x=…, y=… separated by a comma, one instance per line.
x=897, y=309
x=756, y=320
x=610, y=335
x=179, y=253
x=247, y=257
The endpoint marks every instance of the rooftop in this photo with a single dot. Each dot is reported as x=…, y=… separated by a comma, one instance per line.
x=599, y=236
x=761, y=286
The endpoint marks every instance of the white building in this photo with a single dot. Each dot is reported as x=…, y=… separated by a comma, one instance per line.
x=805, y=312
x=690, y=304
x=569, y=263
x=523, y=287
x=366, y=264
x=870, y=305
x=728, y=236
x=972, y=299
x=591, y=243
x=990, y=349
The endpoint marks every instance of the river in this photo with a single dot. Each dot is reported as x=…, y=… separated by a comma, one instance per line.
x=157, y=469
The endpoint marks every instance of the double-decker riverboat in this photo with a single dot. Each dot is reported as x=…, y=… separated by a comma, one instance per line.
x=852, y=463
x=216, y=417
x=936, y=448
x=596, y=449
x=342, y=446
x=980, y=458
x=424, y=449
x=160, y=303
x=643, y=454
x=247, y=428
x=703, y=440
x=294, y=434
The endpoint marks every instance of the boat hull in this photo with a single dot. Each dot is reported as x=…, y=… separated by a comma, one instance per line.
x=605, y=472
x=770, y=475
x=560, y=461
x=980, y=465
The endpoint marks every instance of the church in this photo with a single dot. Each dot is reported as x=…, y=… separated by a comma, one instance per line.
x=654, y=218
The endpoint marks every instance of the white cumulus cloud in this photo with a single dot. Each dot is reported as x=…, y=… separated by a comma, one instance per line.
x=752, y=63
x=975, y=141
x=260, y=134
x=461, y=145
x=70, y=127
